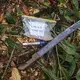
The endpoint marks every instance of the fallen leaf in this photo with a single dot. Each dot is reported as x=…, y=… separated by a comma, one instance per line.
x=1, y=17
x=1, y=65
x=41, y=1
x=78, y=34
x=15, y=74
x=4, y=36
x=25, y=10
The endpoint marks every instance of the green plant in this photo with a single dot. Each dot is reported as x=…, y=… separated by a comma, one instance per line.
x=64, y=64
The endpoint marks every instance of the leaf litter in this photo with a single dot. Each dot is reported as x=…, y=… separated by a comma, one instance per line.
x=7, y=42
x=34, y=72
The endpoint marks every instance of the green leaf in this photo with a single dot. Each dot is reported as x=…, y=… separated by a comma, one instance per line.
x=13, y=32
x=66, y=74
x=10, y=19
x=2, y=27
x=67, y=17
x=75, y=2
x=11, y=43
x=77, y=56
x=77, y=14
x=72, y=67
x=19, y=12
x=76, y=7
x=50, y=73
x=68, y=48
x=78, y=75
x=69, y=58
x=46, y=4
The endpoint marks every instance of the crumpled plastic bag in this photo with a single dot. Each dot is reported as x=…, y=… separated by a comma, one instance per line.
x=37, y=27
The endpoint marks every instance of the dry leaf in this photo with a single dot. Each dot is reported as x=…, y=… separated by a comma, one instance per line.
x=4, y=36
x=36, y=11
x=41, y=1
x=78, y=35
x=26, y=39
x=1, y=17
x=15, y=74
x=1, y=65
x=25, y=10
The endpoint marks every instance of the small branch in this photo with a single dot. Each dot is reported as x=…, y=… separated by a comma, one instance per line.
x=8, y=63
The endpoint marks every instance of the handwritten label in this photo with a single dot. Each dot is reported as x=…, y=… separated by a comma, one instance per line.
x=37, y=28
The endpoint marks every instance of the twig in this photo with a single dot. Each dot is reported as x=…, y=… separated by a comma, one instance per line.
x=24, y=53
x=8, y=63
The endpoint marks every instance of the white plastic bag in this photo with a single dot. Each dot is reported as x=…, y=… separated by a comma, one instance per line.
x=37, y=27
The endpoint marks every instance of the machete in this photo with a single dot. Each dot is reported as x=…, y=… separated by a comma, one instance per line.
x=51, y=44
